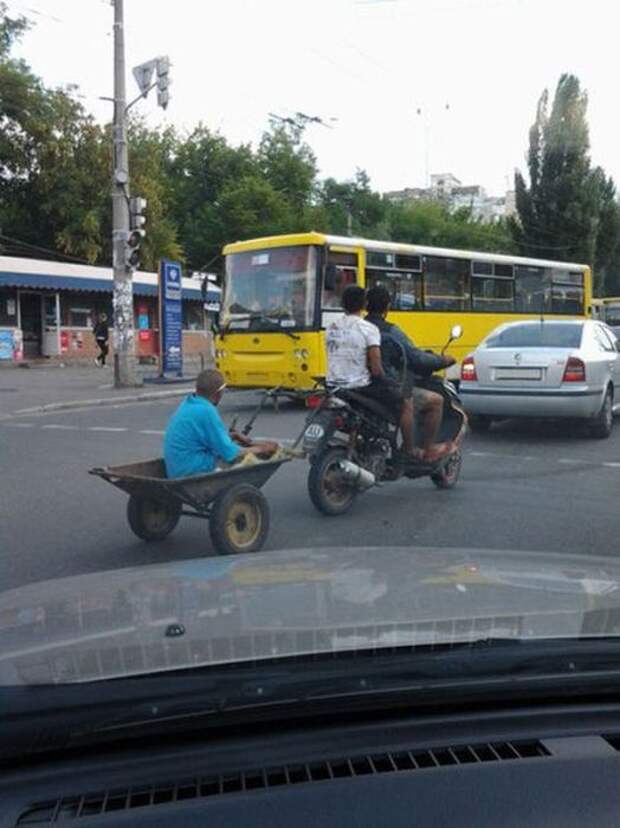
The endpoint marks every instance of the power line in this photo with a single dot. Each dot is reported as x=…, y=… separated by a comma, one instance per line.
x=57, y=253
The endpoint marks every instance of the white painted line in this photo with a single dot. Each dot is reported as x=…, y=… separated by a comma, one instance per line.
x=151, y=431
x=19, y=425
x=59, y=427
x=480, y=454
x=106, y=428
x=612, y=465
x=574, y=461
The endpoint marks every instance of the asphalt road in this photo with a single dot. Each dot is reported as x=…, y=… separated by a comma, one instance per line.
x=523, y=487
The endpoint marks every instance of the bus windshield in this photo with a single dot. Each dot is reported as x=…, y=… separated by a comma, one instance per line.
x=270, y=289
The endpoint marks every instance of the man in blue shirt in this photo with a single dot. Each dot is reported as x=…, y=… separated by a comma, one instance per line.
x=196, y=438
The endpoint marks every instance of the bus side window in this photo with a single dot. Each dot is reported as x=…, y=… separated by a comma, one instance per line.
x=342, y=273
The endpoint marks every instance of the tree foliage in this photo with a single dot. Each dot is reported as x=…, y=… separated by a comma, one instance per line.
x=567, y=210
x=202, y=192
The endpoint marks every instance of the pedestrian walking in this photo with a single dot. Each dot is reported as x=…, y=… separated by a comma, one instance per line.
x=102, y=333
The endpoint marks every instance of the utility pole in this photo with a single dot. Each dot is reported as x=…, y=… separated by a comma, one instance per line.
x=125, y=374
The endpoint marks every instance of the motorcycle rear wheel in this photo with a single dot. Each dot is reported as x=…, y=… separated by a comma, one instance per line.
x=329, y=493
x=447, y=476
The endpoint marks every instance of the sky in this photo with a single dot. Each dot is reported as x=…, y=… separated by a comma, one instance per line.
x=415, y=86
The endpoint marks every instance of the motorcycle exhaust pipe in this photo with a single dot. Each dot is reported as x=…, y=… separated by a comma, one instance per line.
x=356, y=475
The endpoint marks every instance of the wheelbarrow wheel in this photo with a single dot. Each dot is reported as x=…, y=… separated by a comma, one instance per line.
x=151, y=519
x=239, y=520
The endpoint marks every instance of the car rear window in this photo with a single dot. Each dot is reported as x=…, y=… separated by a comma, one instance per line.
x=537, y=335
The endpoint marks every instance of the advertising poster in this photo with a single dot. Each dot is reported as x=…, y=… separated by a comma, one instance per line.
x=170, y=309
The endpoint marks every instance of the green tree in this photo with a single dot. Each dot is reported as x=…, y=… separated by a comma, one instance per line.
x=567, y=208
x=289, y=165
x=199, y=169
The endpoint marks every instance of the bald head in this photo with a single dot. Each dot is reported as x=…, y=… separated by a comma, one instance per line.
x=210, y=384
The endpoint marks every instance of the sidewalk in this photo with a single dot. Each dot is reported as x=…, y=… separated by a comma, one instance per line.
x=49, y=388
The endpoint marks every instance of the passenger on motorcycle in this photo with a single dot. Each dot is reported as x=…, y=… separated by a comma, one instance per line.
x=354, y=363
x=395, y=344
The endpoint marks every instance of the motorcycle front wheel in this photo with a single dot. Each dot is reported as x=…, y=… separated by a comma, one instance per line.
x=328, y=491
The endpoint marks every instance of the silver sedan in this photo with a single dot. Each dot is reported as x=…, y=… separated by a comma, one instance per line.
x=543, y=368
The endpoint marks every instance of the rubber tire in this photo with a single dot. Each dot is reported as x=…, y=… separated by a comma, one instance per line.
x=602, y=425
x=315, y=484
x=136, y=507
x=444, y=481
x=220, y=518
x=479, y=423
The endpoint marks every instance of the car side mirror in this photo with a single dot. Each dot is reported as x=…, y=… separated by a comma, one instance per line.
x=331, y=272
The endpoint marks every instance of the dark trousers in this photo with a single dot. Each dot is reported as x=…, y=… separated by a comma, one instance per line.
x=103, y=348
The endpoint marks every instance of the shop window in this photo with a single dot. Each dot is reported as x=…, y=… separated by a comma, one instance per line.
x=80, y=317
x=193, y=316
x=8, y=309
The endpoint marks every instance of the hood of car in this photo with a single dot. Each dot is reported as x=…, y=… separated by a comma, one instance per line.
x=207, y=611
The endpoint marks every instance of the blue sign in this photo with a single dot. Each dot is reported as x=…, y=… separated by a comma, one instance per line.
x=170, y=309
x=6, y=344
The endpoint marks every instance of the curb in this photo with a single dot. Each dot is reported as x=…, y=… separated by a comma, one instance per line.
x=72, y=404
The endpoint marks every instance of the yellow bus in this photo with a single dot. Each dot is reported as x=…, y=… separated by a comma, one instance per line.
x=281, y=292
x=607, y=310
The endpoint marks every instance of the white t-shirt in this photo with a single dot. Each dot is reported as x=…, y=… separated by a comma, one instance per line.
x=348, y=339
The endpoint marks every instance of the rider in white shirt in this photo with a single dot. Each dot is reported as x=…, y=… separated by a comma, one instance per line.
x=354, y=362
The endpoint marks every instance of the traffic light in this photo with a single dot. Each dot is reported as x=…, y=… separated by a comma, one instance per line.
x=163, y=81
x=136, y=234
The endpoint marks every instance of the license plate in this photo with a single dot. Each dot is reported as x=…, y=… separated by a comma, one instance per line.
x=313, y=433
x=518, y=373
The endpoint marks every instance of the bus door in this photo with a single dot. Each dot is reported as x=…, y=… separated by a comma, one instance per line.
x=342, y=268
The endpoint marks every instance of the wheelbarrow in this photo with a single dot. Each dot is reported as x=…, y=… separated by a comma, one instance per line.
x=230, y=499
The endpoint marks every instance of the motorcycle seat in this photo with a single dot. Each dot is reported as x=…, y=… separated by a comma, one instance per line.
x=351, y=396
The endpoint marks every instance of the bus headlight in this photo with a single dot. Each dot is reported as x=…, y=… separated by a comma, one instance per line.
x=220, y=354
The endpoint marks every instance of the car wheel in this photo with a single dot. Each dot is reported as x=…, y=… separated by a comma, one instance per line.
x=603, y=423
x=479, y=423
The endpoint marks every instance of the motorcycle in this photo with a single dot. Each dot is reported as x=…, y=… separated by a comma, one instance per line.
x=351, y=443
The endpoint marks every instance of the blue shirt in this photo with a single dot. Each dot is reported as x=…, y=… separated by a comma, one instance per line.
x=196, y=438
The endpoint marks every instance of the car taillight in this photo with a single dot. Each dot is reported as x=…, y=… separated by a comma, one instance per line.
x=575, y=370
x=313, y=402
x=468, y=370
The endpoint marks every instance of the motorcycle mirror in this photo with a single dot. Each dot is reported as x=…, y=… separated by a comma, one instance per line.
x=456, y=332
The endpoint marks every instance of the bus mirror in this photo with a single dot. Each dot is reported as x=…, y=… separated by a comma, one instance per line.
x=331, y=272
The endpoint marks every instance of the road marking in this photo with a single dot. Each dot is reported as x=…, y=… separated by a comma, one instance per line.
x=611, y=465
x=105, y=428
x=573, y=461
x=60, y=427
x=480, y=453
x=151, y=431
x=19, y=425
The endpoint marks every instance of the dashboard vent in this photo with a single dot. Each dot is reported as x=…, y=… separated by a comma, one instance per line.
x=106, y=802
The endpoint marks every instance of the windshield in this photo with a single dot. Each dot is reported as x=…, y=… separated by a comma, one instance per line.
x=612, y=315
x=272, y=287
x=210, y=211
x=537, y=335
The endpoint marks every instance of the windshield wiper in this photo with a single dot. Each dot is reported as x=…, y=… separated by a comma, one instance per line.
x=257, y=316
